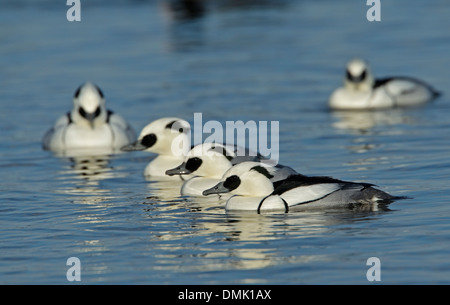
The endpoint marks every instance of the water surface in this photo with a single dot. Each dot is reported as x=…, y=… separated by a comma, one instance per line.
x=261, y=61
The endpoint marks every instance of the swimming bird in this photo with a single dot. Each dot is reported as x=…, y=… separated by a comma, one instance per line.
x=209, y=161
x=88, y=126
x=253, y=190
x=362, y=91
x=167, y=137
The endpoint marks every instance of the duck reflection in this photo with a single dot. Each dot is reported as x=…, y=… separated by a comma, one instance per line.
x=240, y=241
x=84, y=172
x=184, y=24
x=164, y=190
x=183, y=9
x=362, y=122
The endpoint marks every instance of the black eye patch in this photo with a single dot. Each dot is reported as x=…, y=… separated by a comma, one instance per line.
x=193, y=164
x=348, y=75
x=149, y=140
x=356, y=79
x=88, y=115
x=363, y=75
x=82, y=112
x=97, y=112
x=232, y=182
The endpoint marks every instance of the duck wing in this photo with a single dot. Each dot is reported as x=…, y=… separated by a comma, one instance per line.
x=300, y=189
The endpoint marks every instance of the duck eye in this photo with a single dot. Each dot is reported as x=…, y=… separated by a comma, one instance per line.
x=149, y=140
x=232, y=182
x=193, y=164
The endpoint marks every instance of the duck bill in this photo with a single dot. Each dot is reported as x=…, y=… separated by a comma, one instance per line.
x=179, y=170
x=217, y=189
x=90, y=117
x=134, y=146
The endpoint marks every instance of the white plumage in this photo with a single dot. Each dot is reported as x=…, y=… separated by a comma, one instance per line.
x=362, y=91
x=208, y=162
x=89, y=126
x=169, y=138
x=253, y=190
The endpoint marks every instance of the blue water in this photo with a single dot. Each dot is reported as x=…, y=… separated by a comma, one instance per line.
x=239, y=60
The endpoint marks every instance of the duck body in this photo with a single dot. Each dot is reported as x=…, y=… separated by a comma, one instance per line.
x=253, y=190
x=89, y=126
x=362, y=91
x=304, y=193
x=207, y=162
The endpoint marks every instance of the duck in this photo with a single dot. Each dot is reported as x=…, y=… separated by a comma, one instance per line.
x=169, y=138
x=362, y=91
x=252, y=189
x=88, y=126
x=207, y=163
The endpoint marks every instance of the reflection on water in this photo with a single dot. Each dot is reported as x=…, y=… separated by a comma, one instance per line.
x=82, y=181
x=84, y=174
x=362, y=122
x=241, y=241
x=371, y=130
x=183, y=9
x=164, y=190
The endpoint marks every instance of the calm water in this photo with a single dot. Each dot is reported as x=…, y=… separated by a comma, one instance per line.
x=261, y=61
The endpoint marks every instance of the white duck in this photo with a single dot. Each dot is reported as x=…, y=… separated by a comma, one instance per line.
x=254, y=191
x=362, y=91
x=167, y=137
x=89, y=126
x=209, y=161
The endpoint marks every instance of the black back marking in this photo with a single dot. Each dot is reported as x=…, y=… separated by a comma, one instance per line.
x=69, y=118
x=381, y=82
x=109, y=113
x=298, y=180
